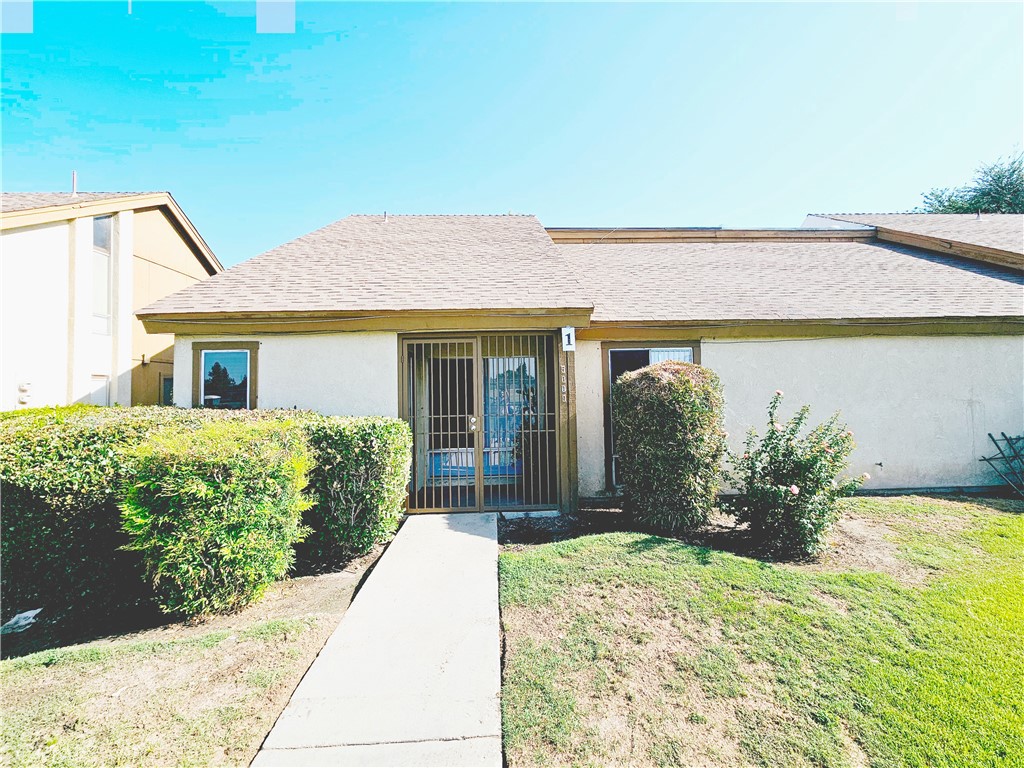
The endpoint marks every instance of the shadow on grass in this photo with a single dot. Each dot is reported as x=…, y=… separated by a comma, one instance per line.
x=63, y=625
x=721, y=534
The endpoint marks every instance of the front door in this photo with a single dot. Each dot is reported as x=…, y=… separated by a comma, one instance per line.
x=484, y=416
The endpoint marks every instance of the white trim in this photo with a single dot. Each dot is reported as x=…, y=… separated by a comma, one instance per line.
x=202, y=373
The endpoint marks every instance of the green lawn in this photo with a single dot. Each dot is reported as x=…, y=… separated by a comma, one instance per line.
x=903, y=647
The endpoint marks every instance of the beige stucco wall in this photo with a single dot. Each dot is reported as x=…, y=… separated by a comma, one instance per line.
x=163, y=264
x=922, y=406
x=345, y=374
x=589, y=418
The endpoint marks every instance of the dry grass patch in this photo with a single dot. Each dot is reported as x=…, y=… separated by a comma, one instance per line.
x=181, y=694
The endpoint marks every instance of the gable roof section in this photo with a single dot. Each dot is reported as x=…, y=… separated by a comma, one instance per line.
x=740, y=282
x=997, y=237
x=371, y=266
x=26, y=209
x=25, y=201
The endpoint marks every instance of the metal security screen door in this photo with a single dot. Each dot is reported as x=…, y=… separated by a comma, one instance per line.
x=483, y=412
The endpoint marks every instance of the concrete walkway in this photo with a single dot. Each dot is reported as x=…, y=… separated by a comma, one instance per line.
x=412, y=674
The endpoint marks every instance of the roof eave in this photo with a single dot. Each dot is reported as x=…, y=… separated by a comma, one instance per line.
x=29, y=217
x=972, y=251
x=653, y=330
x=222, y=323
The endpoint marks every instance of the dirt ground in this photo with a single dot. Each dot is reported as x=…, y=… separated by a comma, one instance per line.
x=185, y=693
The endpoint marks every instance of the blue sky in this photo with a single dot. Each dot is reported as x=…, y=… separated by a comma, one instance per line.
x=586, y=115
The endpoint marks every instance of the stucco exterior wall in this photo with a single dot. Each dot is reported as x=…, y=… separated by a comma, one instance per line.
x=343, y=374
x=51, y=342
x=589, y=418
x=163, y=264
x=921, y=406
x=34, y=293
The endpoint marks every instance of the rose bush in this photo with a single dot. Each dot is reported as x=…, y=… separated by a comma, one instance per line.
x=788, y=484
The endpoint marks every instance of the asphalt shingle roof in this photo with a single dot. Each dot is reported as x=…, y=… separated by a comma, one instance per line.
x=1004, y=231
x=23, y=201
x=365, y=264
x=369, y=264
x=702, y=282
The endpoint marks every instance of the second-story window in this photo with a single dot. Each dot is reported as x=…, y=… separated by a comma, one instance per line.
x=102, y=273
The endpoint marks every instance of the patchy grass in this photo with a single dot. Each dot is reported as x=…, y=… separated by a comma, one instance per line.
x=181, y=694
x=901, y=647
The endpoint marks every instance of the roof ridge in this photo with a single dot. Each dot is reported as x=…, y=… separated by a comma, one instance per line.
x=442, y=215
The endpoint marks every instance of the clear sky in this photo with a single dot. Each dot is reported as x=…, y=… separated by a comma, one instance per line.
x=586, y=115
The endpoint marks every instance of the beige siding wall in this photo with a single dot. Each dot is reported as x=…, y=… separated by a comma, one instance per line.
x=345, y=374
x=163, y=264
x=922, y=406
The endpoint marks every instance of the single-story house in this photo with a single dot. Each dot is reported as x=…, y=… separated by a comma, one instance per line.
x=499, y=340
x=74, y=268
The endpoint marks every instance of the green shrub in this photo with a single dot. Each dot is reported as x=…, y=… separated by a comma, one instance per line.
x=788, y=484
x=63, y=471
x=358, y=482
x=215, y=511
x=61, y=539
x=670, y=442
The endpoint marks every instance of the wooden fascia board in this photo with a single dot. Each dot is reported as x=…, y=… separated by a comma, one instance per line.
x=924, y=326
x=189, y=232
x=972, y=251
x=194, y=324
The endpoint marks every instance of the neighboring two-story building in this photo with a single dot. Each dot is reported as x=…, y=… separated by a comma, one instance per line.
x=74, y=268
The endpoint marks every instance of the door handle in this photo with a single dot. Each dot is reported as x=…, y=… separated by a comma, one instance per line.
x=472, y=423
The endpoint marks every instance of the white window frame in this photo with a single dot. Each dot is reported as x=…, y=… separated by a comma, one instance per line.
x=103, y=322
x=202, y=373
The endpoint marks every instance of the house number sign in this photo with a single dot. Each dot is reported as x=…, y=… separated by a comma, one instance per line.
x=569, y=339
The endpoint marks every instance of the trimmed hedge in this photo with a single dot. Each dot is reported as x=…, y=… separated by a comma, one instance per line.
x=670, y=441
x=61, y=470
x=359, y=483
x=64, y=470
x=215, y=511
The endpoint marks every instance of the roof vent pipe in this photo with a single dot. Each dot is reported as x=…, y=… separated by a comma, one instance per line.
x=385, y=217
x=74, y=182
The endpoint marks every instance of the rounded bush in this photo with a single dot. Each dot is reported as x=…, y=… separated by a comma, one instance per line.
x=669, y=441
x=216, y=510
x=61, y=544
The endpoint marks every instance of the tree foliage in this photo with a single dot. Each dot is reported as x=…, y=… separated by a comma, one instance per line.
x=996, y=188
